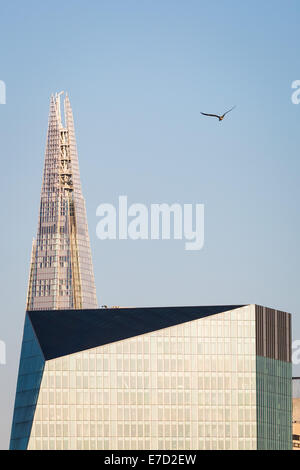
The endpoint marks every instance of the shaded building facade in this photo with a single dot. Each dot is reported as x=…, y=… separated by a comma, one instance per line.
x=296, y=413
x=216, y=377
x=155, y=378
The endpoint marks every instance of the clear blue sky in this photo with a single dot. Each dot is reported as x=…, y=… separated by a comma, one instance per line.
x=138, y=73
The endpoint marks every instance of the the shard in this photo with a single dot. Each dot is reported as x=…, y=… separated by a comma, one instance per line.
x=61, y=272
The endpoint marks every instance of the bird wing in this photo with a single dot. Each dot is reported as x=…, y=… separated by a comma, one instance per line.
x=229, y=111
x=213, y=115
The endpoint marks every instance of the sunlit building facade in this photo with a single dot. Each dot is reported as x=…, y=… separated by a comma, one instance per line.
x=61, y=272
x=155, y=378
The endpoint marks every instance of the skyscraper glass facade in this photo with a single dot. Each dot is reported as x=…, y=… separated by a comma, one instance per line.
x=61, y=272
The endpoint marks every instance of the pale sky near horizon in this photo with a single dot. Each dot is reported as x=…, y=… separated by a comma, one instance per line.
x=138, y=74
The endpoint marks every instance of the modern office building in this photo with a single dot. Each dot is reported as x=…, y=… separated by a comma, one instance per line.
x=296, y=413
x=155, y=378
x=61, y=273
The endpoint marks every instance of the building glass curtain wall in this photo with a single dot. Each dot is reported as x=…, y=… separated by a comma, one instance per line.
x=28, y=387
x=196, y=384
x=61, y=272
x=296, y=413
x=274, y=405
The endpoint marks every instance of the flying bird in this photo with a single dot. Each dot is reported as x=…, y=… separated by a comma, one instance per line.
x=217, y=116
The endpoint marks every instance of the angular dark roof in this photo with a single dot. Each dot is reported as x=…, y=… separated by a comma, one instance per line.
x=63, y=332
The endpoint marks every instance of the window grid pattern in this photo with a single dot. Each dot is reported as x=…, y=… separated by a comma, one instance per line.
x=274, y=404
x=28, y=386
x=190, y=386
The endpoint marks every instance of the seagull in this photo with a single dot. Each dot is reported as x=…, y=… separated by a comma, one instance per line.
x=217, y=116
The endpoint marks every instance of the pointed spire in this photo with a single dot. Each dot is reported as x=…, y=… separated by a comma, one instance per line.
x=61, y=274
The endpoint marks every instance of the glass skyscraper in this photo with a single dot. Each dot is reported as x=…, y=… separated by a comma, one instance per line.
x=156, y=378
x=61, y=273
